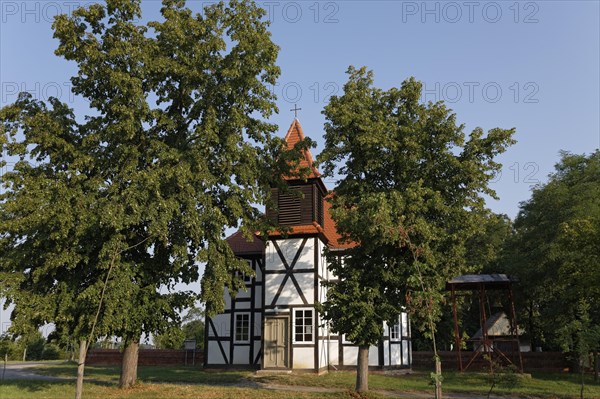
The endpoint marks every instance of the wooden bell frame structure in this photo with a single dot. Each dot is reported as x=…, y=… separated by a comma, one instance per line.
x=481, y=283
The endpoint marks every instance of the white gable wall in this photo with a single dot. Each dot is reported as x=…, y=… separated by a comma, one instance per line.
x=278, y=292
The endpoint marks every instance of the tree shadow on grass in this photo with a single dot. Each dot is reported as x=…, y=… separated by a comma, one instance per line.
x=189, y=375
x=69, y=370
x=39, y=385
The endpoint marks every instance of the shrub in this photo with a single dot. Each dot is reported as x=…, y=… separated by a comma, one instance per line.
x=51, y=352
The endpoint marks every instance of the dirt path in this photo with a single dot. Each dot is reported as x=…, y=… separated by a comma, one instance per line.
x=19, y=371
x=389, y=394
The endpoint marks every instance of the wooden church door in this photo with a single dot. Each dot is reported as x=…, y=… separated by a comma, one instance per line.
x=276, y=342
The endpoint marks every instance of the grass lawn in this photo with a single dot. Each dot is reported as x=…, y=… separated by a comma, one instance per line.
x=156, y=382
x=171, y=382
x=148, y=374
x=545, y=385
x=66, y=390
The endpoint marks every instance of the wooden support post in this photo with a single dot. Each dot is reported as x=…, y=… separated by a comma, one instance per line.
x=457, y=339
x=483, y=321
x=515, y=326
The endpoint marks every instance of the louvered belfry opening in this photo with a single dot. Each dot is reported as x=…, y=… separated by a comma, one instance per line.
x=290, y=208
x=302, y=205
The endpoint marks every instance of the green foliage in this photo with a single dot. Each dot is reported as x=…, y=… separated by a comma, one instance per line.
x=52, y=352
x=195, y=330
x=35, y=349
x=485, y=247
x=410, y=193
x=102, y=216
x=556, y=252
x=171, y=339
x=6, y=345
x=35, y=345
x=192, y=328
x=483, y=254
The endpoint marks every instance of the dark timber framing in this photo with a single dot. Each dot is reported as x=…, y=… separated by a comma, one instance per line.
x=257, y=263
x=289, y=272
x=291, y=264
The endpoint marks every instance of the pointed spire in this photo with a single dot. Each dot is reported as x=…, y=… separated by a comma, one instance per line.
x=295, y=135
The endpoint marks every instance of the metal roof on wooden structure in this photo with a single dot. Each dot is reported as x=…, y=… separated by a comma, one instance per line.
x=469, y=282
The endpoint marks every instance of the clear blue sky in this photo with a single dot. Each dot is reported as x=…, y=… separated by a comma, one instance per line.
x=530, y=65
x=534, y=66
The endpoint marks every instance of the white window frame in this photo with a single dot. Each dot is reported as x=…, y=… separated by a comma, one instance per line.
x=396, y=330
x=313, y=329
x=395, y=333
x=235, y=328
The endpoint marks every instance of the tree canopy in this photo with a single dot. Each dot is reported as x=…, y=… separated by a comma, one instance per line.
x=410, y=194
x=102, y=216
x=556, y=252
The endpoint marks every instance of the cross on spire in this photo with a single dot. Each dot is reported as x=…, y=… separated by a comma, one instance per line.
x=296, y=109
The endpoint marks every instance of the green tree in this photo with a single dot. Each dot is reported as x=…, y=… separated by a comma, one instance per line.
x=171, y=339
x=410, y=195
x=6, y=347
x=556, y=252
x=193, y=326
x=195, y=330
x=485, y=248
x=483, y=254
x=119, y=207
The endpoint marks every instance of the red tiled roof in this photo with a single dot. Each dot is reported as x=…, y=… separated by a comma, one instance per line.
x=241, y=246
x=293, y=136
x=256, y=246
x=314, y=228
x=335, y=239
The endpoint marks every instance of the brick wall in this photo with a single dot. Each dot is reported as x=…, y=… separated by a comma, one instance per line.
x=147, y=357
x=532, y=361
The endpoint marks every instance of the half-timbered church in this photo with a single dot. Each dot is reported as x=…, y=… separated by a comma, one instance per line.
x=274, y=323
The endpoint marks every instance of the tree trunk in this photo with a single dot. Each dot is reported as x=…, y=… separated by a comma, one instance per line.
x=438, y=378
x=582, y=371
x=129, y=364
x=80, y=368
x=25, y=354
x=362, y=369
x=596, y=366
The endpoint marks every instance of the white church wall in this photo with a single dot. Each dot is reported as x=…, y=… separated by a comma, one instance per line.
x=289, y=248
x=406, y=348
x=289, y=294
x=241, y=354
x=350, y=355
x=373, y=356
x=323, y=353
x=334, y=352
x=221, y=323
x=214, y=352
x=396, y=355
x=304, y=358
x=272, y=283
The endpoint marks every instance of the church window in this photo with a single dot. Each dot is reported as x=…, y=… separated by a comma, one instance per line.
x=242, y=327
x=303, y=325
